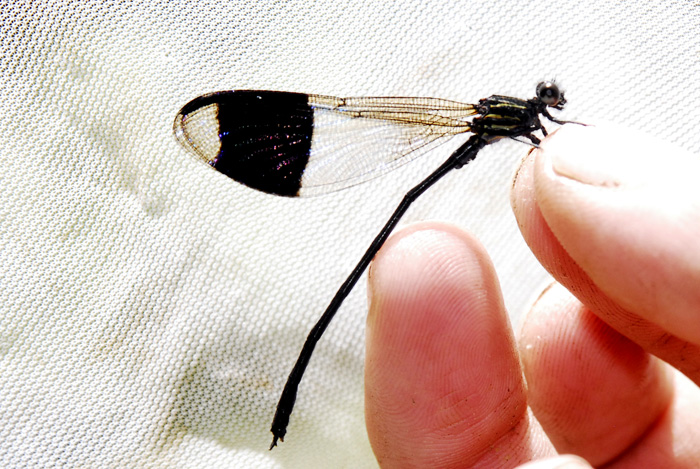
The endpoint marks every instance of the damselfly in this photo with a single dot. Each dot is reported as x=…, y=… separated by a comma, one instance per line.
x=294, y=144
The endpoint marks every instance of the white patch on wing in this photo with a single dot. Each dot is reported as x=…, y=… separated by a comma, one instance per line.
x=198, y=131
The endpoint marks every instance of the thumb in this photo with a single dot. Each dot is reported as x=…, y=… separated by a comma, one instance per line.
x=627, y=209
x=614, y=217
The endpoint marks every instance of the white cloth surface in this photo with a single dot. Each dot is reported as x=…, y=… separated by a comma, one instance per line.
x=151, y=309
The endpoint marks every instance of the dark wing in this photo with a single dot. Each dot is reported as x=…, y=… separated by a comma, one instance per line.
x=296, y=144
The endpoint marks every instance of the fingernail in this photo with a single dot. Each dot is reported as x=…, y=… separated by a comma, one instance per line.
x=606, y=156
x=582, y=153
x=558, y=462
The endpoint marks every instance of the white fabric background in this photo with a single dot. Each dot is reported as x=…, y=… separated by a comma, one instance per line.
x=151, y=309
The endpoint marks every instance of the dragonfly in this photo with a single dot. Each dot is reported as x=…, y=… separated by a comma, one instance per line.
x=299, y=145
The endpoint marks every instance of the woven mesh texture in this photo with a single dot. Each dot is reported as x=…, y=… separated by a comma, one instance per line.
x=151, y=309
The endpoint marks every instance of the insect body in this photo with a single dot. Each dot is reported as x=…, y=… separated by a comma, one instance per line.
x=294, y=144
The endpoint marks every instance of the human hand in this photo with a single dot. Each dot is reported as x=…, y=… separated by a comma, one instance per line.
x=615, y=218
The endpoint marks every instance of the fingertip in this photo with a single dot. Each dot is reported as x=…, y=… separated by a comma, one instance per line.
x=594, y=391
x=429, y=278
x=440, y=356
x=409, y=262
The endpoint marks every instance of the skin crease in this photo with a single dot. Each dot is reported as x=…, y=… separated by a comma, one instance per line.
x=448, y=385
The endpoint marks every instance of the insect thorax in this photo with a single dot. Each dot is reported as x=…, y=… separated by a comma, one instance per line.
x=506, y=116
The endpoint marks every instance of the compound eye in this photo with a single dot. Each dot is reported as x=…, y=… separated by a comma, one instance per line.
x=548, y=93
